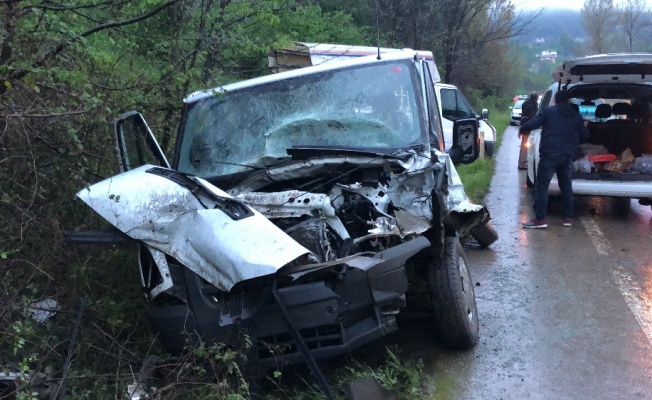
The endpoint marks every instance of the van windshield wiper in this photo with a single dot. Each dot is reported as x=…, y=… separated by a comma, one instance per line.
x=304, y=152
x=256, y=167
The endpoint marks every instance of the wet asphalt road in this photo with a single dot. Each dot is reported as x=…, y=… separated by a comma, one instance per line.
x=565, y=313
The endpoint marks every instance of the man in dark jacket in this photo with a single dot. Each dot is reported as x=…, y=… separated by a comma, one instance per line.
x=563, y=131
x=528, y=111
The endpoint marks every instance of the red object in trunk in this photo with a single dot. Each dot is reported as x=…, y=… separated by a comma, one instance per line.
x=602, y=158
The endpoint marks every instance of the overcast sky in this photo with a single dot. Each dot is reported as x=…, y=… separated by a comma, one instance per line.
x=559, y=4
x=538, y=4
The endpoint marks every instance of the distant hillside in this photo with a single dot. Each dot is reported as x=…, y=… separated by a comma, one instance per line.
x=550, y=25
x=555, y=30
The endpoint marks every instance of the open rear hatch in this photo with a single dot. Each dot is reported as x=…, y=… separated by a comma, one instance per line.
x=606, y=68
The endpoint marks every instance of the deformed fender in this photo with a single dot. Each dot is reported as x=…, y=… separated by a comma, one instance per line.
x=457, y=210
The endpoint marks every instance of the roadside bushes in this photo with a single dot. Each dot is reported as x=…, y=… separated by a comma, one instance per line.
x=479, y=100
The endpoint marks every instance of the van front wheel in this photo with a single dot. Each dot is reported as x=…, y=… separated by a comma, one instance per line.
x=453, y=298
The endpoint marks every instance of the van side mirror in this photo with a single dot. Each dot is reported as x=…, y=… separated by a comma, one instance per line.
x=485, y=114
x=465, y=141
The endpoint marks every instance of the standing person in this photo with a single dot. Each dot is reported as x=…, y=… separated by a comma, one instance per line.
x=563, y=130
x=528, y=111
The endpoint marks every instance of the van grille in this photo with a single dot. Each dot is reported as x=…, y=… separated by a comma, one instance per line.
x=315, y=338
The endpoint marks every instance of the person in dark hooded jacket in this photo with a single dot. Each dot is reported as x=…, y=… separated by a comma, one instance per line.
x=563, y=129
x=528, y=111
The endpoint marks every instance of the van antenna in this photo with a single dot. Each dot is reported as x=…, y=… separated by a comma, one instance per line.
x=377, y=31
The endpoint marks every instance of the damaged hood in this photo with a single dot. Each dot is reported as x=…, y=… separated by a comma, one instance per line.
x=221, y=245
x=226, y=238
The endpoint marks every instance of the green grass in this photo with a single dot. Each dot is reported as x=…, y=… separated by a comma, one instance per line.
x=400, y=374
x=477, y=176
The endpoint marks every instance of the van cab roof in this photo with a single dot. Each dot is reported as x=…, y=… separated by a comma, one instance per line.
x=406, y=54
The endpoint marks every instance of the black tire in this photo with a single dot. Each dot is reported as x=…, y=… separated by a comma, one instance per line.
x=453, y=298
x=528, y=182
x=485, y=234
x=511, y=123
x=489, y=149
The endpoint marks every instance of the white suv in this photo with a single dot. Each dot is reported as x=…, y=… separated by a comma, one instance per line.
x=613, y=92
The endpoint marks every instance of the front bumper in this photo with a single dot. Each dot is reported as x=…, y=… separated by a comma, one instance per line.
x=333, y=315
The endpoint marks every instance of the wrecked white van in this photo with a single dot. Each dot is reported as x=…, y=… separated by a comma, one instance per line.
x=291, y=208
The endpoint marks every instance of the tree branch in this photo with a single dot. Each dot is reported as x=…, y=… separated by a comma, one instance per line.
x=53, y=115
x=71, y=8
x=21, y=73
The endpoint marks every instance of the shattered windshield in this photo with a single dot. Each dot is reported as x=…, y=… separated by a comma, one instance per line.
x=361, y=107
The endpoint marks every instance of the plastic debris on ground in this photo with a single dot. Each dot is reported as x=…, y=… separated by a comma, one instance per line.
x=41, y=310
x=135, y=391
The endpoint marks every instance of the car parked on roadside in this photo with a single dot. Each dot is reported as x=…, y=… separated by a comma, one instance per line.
x=293, y=207
x=613, y=93
x=515, y=116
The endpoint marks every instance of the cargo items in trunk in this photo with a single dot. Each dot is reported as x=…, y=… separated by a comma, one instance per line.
x=596, y=158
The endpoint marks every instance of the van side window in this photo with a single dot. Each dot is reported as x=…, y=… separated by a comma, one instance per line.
x=454, y=105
